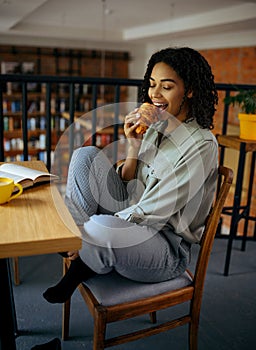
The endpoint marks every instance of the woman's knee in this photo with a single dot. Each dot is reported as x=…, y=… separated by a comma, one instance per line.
x=82, y=157
x=82, y=153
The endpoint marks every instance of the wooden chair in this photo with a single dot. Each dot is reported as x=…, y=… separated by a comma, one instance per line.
x=112, y=298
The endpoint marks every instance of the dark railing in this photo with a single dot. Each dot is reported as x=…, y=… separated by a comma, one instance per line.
x=52, y=85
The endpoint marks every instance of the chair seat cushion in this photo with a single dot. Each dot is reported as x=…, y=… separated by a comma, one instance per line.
x=112, y=288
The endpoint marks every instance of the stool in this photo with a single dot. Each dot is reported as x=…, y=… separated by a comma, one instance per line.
x=238, y=211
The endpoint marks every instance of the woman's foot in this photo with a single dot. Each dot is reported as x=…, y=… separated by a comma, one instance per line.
x=61, y=292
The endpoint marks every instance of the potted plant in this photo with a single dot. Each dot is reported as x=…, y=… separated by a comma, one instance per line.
x=246, y=100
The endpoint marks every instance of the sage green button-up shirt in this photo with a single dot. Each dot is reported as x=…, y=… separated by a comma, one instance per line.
x=175, y=182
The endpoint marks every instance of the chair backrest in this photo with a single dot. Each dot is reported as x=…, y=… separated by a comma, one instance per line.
x=212, y=223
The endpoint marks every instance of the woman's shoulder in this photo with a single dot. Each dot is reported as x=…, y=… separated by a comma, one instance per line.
x=190, y=131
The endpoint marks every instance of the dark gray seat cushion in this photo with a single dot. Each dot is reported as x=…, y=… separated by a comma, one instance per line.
x=111, y=289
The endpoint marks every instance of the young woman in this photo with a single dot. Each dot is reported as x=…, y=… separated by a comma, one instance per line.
x=142, y=219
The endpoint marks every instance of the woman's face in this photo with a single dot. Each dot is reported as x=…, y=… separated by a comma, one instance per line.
x=166, y=91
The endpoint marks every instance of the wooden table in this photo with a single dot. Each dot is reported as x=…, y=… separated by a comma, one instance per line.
x=37, y=222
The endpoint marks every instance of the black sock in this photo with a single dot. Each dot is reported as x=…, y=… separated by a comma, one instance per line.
x=54, y=344
x=64, y=254
x=61, y=292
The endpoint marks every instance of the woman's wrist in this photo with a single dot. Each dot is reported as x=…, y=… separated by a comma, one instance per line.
x=132, y=152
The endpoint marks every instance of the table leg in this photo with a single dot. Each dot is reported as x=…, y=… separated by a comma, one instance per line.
x=7, y=320
x=235, y=212
x=249, y=197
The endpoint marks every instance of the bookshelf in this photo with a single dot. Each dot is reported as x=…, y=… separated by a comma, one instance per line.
x=36, y=125
x=53, y=62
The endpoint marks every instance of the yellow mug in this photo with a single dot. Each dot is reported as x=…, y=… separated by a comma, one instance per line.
x=7, y=186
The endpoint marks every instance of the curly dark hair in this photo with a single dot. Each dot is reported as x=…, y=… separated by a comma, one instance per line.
x=197, y=76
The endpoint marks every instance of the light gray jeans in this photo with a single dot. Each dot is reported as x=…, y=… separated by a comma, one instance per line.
x=94, y=193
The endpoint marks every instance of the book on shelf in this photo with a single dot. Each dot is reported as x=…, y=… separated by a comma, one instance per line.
x=25, y=176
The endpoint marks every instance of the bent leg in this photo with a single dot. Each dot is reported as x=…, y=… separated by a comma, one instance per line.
x=93, y=187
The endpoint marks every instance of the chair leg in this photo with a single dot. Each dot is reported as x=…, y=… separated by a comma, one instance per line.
x=193, y=335
x=16, y=276
x=152, y=316
x=99, y=330
x=65, y=319
x=65, y=308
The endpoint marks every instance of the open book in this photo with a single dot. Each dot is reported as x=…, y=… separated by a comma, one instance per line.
x=27, y=177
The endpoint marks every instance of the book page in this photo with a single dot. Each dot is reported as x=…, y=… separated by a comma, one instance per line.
x=16, y=178
x=21, y=171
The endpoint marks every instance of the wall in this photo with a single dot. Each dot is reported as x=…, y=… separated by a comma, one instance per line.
x=231, y=66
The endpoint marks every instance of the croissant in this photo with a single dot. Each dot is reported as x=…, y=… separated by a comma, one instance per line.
x=149, y=114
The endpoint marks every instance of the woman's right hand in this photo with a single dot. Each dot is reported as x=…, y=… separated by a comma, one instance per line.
x=130, y=124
